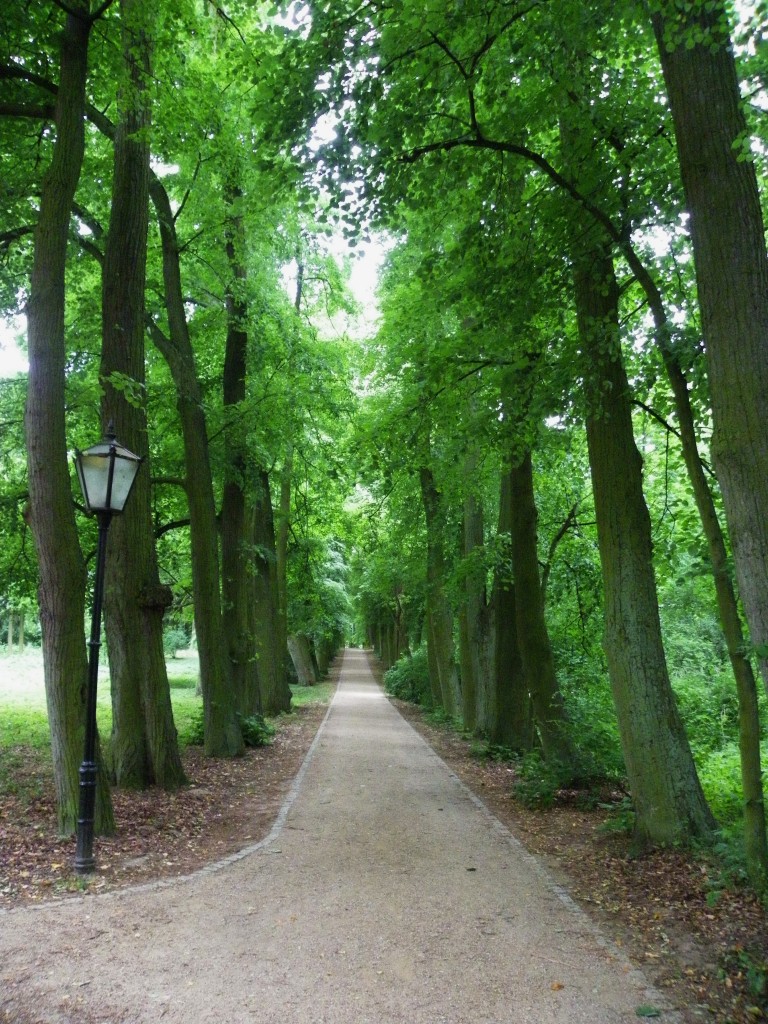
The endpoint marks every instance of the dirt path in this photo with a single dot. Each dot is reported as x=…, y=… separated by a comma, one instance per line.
x=385, y=893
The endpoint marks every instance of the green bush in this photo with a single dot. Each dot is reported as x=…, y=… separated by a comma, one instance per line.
x=195, y=731
x=482, y=750
x=408, y=679
x=257, y=732
x=174, y=639
x=720, y=774
x=537, y=781
x=710, y=709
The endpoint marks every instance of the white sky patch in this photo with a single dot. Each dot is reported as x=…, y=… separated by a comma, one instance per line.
x=163, y=170
x=13, y=358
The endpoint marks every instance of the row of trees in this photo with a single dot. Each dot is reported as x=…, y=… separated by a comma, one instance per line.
x=146, y=200
x=556, y=177
x=558, y=181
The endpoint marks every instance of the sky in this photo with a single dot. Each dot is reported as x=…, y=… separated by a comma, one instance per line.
x=363, y=280
x=12, y=359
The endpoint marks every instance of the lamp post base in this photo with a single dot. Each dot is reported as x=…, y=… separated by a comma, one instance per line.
x=84, y=859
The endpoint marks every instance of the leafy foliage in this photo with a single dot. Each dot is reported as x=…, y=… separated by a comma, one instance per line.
x=408, y=679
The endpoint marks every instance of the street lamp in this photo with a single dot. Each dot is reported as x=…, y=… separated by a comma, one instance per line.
x=106, y=472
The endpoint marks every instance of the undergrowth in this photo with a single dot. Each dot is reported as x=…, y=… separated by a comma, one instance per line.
x=408, y=679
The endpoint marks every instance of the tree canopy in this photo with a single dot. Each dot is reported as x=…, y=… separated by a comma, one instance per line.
x=533, y=481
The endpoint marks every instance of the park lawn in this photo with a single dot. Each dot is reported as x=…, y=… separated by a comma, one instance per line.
x=25, y=748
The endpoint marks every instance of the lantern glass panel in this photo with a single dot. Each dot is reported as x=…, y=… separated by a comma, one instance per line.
x=106, y=473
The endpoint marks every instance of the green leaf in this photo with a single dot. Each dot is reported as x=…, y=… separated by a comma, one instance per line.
x=647, y=1011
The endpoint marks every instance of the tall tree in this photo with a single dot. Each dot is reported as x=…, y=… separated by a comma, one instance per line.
x=223, y=737
x=144, y=748
x=532, y=633
x=665, y=787
x=51, y=514
x=728, y=235
x=439, y=618
x=236, y=559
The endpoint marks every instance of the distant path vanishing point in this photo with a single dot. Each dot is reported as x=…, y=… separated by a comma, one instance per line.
x=386, y=893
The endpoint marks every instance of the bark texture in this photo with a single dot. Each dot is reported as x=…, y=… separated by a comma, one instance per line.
x=511, y=717
x=144, y=748
x=476, y=633
x=223, y=737
x=282, y=527
x=532, y=633
x=728, y=237
x=439, y=617
x=51, y=514
x=669, y=802
x=274, y=691
x=755, y=842
x=236, y=552
x=301, y=656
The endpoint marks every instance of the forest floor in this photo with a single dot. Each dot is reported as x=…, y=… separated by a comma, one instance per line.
x=701, y=941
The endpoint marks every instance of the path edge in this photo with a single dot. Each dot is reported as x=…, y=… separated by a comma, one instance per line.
x=206, y=869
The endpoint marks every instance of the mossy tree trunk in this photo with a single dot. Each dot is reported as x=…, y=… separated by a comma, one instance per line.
x=532, y=633
x=511, y=722
x=223, y=737
x=666, y=792
x=274, y=691
x=439, y=616
x=144, y=749
x=61, y=594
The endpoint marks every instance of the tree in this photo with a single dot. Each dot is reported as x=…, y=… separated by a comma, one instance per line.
x=666, y=791
x=144, y=749
x=223, y=737
x=51, y=513
x=727, y=231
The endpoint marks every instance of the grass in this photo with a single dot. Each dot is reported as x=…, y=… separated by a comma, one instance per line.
x=24, y=718
x=319, y=694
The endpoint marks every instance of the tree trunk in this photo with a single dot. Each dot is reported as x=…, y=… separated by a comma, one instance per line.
x=439, y=618
x=144, y=748
x=274, y=691
x=301, y=656
x=532, y=633
x=281, y=559
x=511, y=721
x=236, y=556
x=668, y=800
x=476, y=634
x=51, y=515
x=728, y=237
x=755, y=840
x=223, y=737
x=732, y=277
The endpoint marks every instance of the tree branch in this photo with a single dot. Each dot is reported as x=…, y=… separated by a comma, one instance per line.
x=40, y=113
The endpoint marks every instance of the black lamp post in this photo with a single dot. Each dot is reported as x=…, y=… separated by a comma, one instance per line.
x=106, y=473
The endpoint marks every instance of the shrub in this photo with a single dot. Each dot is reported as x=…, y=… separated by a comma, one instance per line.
x=174, y=639
x=709, y=707
x=482, y=750
x=257, y=732
x=408, y=679
x=720, y=775
x=195, y=732
x=537, y=781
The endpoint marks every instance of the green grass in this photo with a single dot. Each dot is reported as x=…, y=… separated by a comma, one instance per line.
x=23, y=726
x=321, y=693
x=24, y=719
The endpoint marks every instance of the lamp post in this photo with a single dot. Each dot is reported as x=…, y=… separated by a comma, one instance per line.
x=106, y=472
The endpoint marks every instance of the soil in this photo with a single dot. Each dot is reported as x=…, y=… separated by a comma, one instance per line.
x=705, y=943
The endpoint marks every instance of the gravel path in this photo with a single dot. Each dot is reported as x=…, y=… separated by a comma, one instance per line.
x=385, y=893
